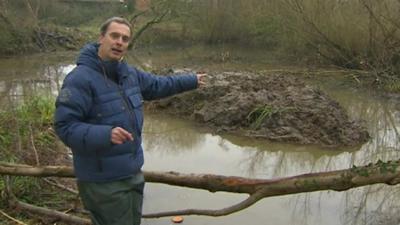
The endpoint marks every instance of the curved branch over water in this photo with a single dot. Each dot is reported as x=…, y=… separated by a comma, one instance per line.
x=205, y=212
x=338, y=180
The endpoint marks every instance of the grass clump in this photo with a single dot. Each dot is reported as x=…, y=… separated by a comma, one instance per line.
x=262, y=113
x=257, y=116
x=26, y=132
x=27, y=137
x=392, y=85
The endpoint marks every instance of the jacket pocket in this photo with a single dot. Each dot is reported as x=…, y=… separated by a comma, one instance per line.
x=136, y=102
x=109, y=108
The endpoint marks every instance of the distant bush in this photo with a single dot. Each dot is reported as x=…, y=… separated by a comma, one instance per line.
x=360, y=34
x=74, y=14
x=23, y=23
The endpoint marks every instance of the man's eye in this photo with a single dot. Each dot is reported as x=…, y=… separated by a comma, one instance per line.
x=114, y=36
x=125, y=39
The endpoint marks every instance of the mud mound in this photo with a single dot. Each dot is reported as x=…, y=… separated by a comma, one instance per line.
x=275, y=107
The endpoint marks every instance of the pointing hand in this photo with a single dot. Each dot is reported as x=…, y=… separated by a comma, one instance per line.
x=200, y=79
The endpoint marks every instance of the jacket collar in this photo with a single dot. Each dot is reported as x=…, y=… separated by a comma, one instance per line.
x=88, y=56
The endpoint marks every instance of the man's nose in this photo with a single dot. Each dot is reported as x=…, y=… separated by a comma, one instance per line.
x=119, y=40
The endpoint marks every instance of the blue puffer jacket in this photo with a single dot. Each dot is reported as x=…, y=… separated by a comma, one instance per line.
x=90, y=105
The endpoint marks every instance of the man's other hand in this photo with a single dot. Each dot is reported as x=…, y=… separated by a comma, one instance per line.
x=120, y=135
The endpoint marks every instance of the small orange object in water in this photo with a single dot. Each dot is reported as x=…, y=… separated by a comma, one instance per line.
x=177, y=219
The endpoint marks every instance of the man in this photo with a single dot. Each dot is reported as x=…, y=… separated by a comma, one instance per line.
x=99, y=116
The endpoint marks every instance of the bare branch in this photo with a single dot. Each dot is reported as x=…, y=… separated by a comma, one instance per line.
x=12, y=218
x=155, y=20
x=51, y=213
x=221, y=212
x=348, y=59
x=4, y=14
x=373, y=16
x=381, y=172
x=134, y=17
x=28, y=5
x=338, y=180
x=15, y=203
x=42, y=171
x=33, y=145
x=212, y=183
x=63, y=187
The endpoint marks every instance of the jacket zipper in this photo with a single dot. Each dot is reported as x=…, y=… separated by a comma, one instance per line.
x=131, y=113
x=130, y=109
x=127, y=105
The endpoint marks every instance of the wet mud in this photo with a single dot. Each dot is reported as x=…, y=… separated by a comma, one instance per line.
x=277, y=107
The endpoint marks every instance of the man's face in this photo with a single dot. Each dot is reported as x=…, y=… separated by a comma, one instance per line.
x=114, y=43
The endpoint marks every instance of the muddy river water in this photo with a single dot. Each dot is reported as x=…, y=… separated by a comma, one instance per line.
x=173, y=144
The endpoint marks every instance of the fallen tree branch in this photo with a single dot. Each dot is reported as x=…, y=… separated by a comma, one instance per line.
x=22, y=206
x=338, y=180
x=39, y=171
x=58, y=216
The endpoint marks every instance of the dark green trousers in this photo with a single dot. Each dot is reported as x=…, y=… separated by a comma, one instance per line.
x=114, y=203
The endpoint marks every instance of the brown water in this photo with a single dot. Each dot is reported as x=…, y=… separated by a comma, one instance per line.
x=172, y=144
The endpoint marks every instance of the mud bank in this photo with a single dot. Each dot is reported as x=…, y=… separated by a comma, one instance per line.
x=276, y=107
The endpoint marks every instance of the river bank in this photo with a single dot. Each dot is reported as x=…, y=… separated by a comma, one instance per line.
x=172, y=143
x=45, y=39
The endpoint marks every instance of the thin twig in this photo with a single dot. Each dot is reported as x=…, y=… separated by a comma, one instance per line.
x=63, y=187
x=12, y=218
x=33, y=145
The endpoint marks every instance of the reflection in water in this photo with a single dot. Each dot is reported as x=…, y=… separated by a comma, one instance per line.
x=41, y=73
x=257, y=158
x=172, y=144
x=168, y=138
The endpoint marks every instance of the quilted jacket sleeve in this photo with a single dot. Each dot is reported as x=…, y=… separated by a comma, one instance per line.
x=72, y=107
x=156, y=87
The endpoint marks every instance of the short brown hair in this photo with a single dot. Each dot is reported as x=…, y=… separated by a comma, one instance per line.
x=116, y=19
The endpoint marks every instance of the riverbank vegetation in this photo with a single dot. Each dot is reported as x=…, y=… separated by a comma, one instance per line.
x=27, y=136
x=359, y=34
x=27, y=128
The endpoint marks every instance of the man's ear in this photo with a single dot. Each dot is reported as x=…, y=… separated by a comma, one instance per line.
x=100, y=39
